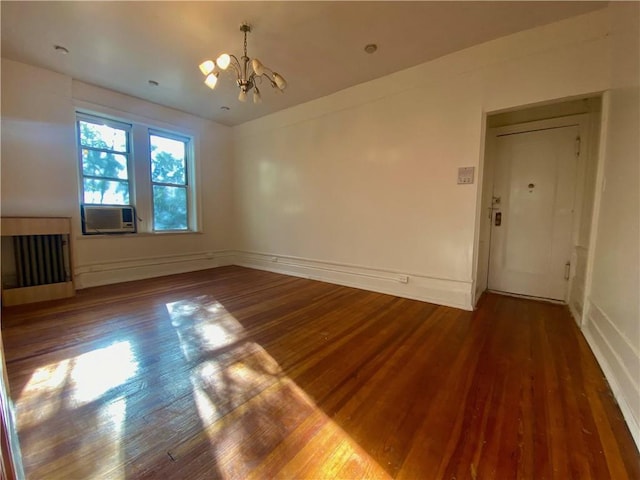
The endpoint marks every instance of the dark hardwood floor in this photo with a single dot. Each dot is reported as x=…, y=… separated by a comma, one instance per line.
x=236, y=373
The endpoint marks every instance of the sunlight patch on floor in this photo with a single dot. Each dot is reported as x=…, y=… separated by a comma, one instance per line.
x=41, y=398
x=96, y=372
x=202, y=326
x=259, y=423
x=79, y=383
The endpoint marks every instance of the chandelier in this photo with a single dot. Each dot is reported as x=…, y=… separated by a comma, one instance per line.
x=246, y=80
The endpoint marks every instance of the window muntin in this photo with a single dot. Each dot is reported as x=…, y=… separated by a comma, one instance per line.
x=104, y=156
x=169, y=180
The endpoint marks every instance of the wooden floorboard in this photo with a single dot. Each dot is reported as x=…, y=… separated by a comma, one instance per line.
x=236, y=373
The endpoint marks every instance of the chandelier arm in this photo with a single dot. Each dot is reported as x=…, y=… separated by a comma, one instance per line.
x=264, y=75
x=271, y=81
x=236, y=65
x=266, y=68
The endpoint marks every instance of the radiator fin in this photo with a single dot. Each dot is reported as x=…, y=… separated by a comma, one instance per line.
x=40, y=259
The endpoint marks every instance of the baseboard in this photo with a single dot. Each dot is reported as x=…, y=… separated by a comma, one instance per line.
x=452, y=293
x=617, y=362
x=106, y=273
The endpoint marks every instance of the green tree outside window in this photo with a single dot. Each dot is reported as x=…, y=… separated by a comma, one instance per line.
x=104, y=151
x=169, y=179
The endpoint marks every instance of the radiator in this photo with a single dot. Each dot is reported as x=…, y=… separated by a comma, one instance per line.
x=40, y=259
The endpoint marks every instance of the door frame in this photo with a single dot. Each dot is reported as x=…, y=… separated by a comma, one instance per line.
x=486, y=174
x=10, y=457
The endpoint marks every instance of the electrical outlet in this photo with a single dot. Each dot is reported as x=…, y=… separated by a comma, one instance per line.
x=403, y=279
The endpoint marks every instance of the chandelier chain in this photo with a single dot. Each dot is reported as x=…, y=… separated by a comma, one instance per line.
x=245, y=43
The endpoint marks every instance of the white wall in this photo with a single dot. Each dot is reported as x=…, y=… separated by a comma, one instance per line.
x=360, y=187
x=40, y=178
x=612, y=317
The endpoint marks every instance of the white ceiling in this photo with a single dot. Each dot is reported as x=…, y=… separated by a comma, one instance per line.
x=317, y=46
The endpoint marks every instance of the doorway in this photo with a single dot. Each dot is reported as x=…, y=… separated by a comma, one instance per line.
x=538, y=184
x=532, y=211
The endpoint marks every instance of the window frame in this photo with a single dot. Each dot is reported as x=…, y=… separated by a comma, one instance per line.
x=116, y=124
x=139, y=165
x=188, y=167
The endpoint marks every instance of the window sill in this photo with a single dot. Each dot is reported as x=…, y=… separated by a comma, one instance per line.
x=138, y=235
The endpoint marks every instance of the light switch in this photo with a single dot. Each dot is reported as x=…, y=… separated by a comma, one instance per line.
x=465, y=175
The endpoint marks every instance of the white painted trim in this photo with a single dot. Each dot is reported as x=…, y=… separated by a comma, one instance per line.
x=576, y=302
x=597, y=200
x=577, y=308
x=575, y=314
x=126, y=116
x=442, y=291
x=104, y=273
x=625, y=353
x=477, y=230
x=13, y=464
x=546, y=124
x=599, y=343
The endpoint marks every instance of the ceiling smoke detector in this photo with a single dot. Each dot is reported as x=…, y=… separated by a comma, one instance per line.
x=371, y=48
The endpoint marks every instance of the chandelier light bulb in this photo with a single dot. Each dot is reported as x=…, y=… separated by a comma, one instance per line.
x=243, y=96
x=280, y=82
x=207, y=67
x=257, y=66
x=257, y=98
x=211, y=80
x=223, y=61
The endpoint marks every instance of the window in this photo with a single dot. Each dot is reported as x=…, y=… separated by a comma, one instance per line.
x=104, y=151
x=169, y=182
x=131, y=164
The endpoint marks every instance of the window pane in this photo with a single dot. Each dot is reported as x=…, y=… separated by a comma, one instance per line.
x=169, y=208
x=168, y=160
x=102, y=136
x=103, y=164
x=108, y=192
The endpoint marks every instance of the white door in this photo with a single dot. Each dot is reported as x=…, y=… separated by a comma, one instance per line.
x=532, y=217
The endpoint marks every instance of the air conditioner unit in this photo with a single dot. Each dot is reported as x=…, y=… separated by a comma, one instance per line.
x=98, y=219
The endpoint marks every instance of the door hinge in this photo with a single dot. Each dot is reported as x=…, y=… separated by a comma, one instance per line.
x=567, y=270
x=578, y=142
